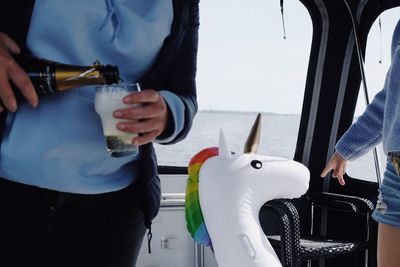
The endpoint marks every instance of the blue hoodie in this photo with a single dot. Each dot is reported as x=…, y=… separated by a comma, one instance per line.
x=60, y=144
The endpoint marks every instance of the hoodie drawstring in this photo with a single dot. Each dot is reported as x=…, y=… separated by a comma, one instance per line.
x=113, y=17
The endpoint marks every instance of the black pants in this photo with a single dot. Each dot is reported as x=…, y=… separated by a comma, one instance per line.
x=46, y=228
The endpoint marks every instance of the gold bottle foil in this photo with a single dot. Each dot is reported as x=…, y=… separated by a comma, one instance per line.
x=77, y=76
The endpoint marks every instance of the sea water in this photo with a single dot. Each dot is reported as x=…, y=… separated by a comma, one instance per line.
x=278, y=138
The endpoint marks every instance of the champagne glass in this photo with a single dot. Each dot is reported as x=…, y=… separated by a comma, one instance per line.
x=108, y=98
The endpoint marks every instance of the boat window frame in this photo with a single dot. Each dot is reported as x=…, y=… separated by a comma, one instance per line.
x=166, y=169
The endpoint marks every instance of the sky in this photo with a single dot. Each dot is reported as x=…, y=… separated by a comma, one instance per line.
x=245, y=64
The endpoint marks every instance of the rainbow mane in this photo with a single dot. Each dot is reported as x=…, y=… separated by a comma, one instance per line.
x=194, y=217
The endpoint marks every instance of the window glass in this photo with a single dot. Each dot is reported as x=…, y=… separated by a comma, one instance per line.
x=245, y=66
x=377, y=62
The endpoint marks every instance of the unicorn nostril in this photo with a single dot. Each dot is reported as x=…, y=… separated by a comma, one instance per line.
x=256, y=164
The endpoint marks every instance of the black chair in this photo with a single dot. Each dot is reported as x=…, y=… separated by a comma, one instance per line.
x=288, y=226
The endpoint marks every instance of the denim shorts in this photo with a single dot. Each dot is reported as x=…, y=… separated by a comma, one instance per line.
x=387, y=210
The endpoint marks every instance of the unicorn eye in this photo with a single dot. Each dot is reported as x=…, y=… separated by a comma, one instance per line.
x=256, y=164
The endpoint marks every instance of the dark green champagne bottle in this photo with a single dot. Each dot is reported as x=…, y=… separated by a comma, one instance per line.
x=49, y=77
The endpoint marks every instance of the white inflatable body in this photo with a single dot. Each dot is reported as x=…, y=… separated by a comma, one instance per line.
x=232, y=190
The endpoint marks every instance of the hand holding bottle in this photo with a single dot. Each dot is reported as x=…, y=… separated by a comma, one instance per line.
x=11, y=71
x=149, y=117
x=338, y=164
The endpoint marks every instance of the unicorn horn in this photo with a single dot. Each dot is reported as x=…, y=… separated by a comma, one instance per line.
x=254, y=137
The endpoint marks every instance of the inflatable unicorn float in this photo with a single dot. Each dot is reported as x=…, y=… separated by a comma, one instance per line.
x=225, y=192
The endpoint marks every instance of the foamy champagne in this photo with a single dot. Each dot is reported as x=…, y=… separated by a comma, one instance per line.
x=108, y=99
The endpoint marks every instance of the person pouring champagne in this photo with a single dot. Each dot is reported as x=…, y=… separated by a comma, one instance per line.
x=65, y=200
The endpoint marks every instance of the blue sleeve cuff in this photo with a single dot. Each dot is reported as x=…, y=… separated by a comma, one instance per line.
x=177, y=111
x=360, y=138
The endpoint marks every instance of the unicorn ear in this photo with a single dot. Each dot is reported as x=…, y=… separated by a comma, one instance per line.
x=224, y=151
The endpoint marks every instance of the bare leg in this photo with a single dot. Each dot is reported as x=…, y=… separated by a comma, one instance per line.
x=388, y=246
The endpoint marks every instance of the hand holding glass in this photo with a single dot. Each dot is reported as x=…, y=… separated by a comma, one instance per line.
x=108, y=99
